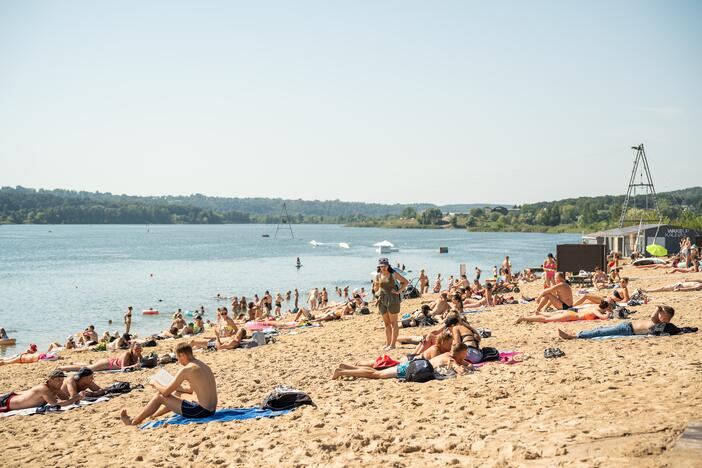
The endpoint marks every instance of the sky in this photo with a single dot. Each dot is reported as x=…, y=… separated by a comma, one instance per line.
x=374, y=101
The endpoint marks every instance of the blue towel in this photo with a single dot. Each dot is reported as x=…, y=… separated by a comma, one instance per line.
x=227, y=414
x=611, y=337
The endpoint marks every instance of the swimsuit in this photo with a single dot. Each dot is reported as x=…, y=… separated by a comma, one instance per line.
x=616, y=295
x=402, y=369
x=193, y=410
x=5, y=401
x=114, y=363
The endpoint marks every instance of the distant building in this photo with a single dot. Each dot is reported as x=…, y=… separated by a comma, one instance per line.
x=624, y=240
x=500, y=209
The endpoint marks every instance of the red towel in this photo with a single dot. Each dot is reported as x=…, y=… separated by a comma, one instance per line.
x=385, y=361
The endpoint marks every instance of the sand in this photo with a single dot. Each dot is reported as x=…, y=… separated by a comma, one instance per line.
x=606, y=403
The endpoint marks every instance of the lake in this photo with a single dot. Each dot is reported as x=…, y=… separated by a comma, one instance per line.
x=56, y=280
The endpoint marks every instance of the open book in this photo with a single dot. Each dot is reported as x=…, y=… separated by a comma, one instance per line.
x=163, y=378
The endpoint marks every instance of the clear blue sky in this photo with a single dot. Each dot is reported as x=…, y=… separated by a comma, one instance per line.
x=402, y=101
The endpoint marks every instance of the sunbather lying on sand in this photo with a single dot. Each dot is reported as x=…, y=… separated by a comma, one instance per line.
x=586, y=313
x=663, y=314
x=29, y=357
x=693, y=285
x=620, y=294
x=201, y=382
x=82, y=382
x=42, y=394
x=454, y=360
x=131, y=358
x=443, y=345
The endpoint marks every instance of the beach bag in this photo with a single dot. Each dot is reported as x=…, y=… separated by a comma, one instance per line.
x=419, y=370
x=118, y=388
x=259, y=338
x=490, y=354
x=149, y=344
x=149, y=361
x=364, y=311
x=282, y=398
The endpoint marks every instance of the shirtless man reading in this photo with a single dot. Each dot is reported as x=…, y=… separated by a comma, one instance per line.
x=42, y=394
x=559, y=296
x=201, y=382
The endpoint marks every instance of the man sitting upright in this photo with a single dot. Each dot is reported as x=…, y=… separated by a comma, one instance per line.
x=201, y=382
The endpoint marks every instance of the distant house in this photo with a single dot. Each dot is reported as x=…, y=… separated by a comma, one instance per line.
x=624, y=240
x=500, y=209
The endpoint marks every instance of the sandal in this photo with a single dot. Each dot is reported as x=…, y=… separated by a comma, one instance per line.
x=553, y=353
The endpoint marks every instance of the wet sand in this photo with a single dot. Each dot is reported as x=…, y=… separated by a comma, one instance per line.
x=606, y=403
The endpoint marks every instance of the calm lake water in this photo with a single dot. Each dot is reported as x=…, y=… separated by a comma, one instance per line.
x=56, y=280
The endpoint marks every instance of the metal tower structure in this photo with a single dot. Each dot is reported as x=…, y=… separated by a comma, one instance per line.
x=284, y=219
x=642, y=171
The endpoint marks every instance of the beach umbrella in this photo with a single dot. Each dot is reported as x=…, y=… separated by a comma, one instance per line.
x=657, y=250
x=384, y=243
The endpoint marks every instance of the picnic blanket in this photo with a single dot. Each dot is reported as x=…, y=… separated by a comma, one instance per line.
x=226, y=414
x=45, y=409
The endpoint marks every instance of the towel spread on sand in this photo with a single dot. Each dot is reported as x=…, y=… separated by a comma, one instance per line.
x=53, y=409
x=619, y=336
x=506, y=357
x=227, y=414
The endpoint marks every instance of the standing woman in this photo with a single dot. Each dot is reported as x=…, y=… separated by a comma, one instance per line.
x=549, y=271
x=386, y=287
x=423, y=282
x=437, y=283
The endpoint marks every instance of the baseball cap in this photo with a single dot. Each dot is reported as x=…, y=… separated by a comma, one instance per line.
x=83, y=372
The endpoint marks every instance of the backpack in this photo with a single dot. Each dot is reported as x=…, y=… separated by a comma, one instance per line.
x=282, y=398
x=118, y=388
x=490, y=354
x=149, y=361
x=419, y=370
x=364, y=311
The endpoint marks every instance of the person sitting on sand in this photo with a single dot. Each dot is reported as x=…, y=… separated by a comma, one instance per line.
x=130, y=359
x=39, y=395
x=425, y=341
x=663, y=314
x=30, y=356
x=229, y=342
x=620, y=294
x=225, y=324
x=463, y=332
x=599, y=279
x=440, y=306
x=559, y=296
x=685, y=286
x=201, y=382
x=586, y=313
x=82, y=382
x=456, y=360
x=486, y=301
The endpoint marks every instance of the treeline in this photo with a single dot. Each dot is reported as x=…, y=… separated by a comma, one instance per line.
x=682, y=207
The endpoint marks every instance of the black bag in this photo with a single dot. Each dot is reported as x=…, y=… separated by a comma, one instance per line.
x=426, y=321
x=282, y=398
x=149, y=344
x=149, y=361
x=419, y=370
x=490, y=354
x=118, y=388
x=364, y=311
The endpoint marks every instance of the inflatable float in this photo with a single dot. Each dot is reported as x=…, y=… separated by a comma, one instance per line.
x=150, y=312
x=7, y=342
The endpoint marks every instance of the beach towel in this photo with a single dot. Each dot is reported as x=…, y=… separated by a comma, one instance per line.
x=506, y=357
x=619, y=336
x=46, y=409
x=227, y=414
x=476, y=311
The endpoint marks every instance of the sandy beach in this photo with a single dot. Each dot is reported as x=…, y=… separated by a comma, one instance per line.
x=616, y=402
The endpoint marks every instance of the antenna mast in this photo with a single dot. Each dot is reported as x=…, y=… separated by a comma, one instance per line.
x=650, y=202
x=284, y=219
